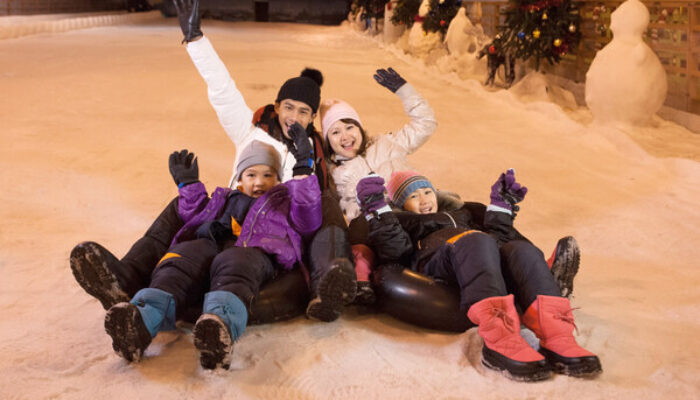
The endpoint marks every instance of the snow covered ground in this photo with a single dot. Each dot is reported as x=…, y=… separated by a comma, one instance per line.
x=89, y=117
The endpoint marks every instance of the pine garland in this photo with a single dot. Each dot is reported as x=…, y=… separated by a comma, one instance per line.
x=405, y=12
x=543, y=29
x=440, y=15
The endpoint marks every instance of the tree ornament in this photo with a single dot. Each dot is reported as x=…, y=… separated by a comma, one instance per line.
x=544, y=16
x=536, y=33
x=492, y=49
x=572, y=28
x=557, y=42
x=442, y=22
x=521, y=35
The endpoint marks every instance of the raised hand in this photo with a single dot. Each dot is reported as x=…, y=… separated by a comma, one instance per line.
x=190, y=21
x=390, y=79
x=183, y=167
x=506, y=192
x=302, y=150
x=370, y=195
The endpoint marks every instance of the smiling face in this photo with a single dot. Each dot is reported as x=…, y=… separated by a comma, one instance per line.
x=257, y=180
x=291, y=111
x=422, y=201
x=345, y=138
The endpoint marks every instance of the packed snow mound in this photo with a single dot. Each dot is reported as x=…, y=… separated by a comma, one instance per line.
x=18, y=26
x=626, y=82
x=535, y=86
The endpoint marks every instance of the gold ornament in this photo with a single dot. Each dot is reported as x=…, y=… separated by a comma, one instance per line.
x=536, y=33
x=544, y=16
x=557, y=42
x=572, y=28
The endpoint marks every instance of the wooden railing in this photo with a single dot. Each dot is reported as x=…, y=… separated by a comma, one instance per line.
x=673, y=34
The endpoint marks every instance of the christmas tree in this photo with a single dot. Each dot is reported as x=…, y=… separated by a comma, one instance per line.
x=541, y=29
x=440, y=15
x=405, y=12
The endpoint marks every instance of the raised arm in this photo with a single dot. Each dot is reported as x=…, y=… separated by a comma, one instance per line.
x=505, y=194
x=422, y=125
x=234, y=115
x=387, y=238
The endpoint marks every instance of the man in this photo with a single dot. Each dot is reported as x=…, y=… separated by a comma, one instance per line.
x=332, y=278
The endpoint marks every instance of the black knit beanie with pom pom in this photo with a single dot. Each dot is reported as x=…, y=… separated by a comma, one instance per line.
x=305, y=88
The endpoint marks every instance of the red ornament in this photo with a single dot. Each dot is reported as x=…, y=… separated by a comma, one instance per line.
x=442, y=22
x=492, y=49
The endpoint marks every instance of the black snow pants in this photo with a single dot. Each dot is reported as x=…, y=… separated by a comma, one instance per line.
x=141, y=259
x=330, y=242
x=191, y=269
x=481, y=269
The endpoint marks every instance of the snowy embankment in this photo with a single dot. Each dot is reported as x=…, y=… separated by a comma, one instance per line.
x=89, y=118
x=24, y=25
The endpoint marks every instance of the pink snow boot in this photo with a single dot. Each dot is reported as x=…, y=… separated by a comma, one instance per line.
x=504, y=349
x=552, y=320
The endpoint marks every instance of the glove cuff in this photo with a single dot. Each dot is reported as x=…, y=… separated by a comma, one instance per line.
x=493, y=207
x=383, y=210
x=296, y=171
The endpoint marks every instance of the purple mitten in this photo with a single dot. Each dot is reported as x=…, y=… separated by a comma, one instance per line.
x=370, y=194
x=506, y=192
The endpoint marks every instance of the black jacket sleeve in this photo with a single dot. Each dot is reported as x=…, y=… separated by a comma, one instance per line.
x=389, y=241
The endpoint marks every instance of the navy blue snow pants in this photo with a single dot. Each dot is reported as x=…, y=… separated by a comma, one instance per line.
x=481, y=269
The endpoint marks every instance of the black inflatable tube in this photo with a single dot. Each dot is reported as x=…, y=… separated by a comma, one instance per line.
x=419, y=300
x=280, y=299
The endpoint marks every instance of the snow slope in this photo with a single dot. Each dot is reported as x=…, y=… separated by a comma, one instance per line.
x=90, y=116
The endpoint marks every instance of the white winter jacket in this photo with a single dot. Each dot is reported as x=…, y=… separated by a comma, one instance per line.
x=234, y=115
x=387, y=153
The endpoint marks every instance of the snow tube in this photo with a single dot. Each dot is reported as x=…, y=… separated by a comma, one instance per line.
x=280, y=299
x=419, y=300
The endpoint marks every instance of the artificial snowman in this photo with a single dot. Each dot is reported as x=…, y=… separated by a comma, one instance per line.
x=626, y=82
x=462, y=36
x=420, y=42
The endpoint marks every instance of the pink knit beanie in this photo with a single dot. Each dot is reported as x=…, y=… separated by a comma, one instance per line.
x=333, y=111
x=403, y=183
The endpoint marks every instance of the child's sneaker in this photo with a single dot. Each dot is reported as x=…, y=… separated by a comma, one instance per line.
x=130, y=337
x=213, y=340
x=93, y=267
x=336, y=288
x=564, y=264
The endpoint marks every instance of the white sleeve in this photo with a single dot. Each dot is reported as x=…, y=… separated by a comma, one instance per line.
x=234, y=115
x=423, y=124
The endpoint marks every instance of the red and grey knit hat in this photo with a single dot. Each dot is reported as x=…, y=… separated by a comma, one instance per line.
x=403, y=183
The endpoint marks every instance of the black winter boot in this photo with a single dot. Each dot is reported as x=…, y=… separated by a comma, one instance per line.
x=333, y=278
x=565, y=261
x=97, y=271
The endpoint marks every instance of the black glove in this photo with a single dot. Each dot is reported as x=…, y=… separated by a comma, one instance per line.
x=302, y=150
x=183, y=168
x=389, y=79
x=190, y=21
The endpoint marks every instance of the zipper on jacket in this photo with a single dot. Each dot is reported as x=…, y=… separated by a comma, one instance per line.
x=451, y=219
x=252, y=225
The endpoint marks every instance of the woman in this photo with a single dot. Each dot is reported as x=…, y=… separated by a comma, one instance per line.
x=352, y=155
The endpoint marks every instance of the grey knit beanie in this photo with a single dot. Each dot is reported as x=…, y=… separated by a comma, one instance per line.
x=257, y=153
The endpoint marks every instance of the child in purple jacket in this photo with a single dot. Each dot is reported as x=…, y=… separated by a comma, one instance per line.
x=243, y=237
